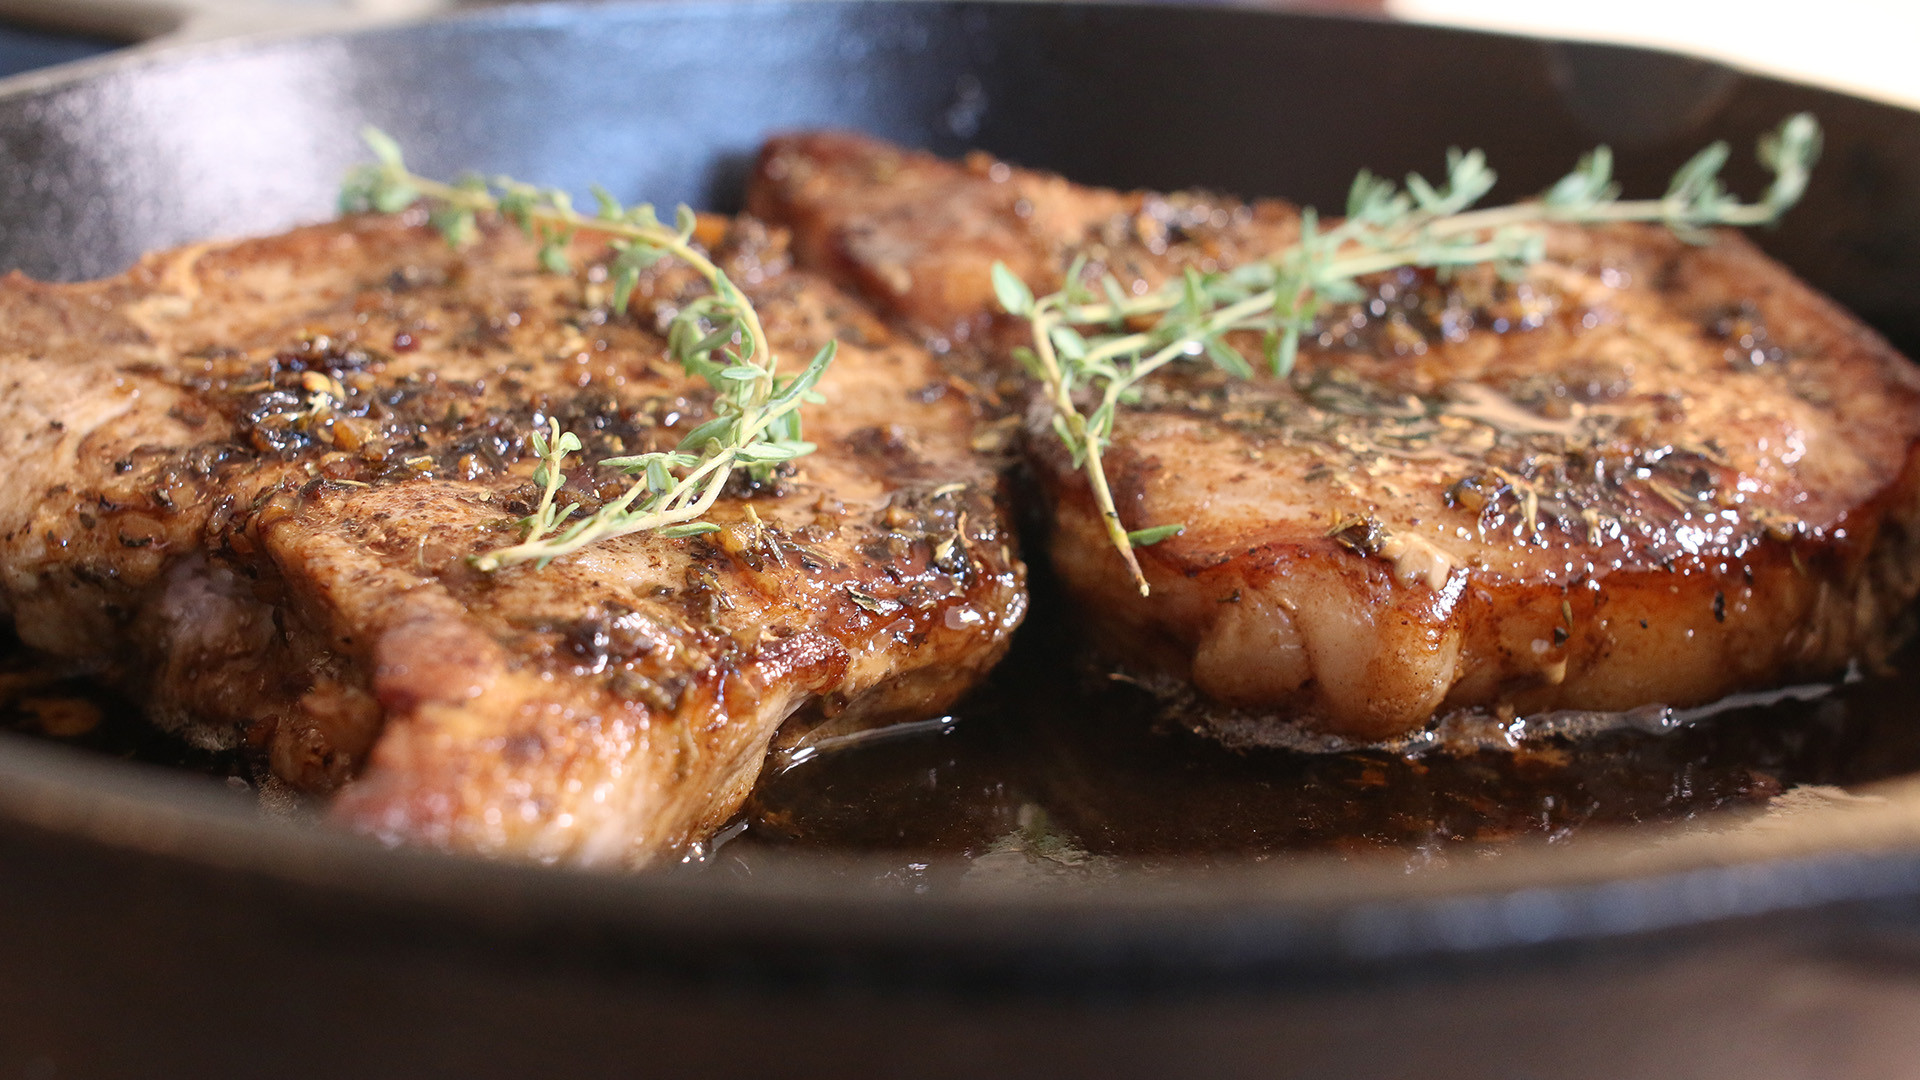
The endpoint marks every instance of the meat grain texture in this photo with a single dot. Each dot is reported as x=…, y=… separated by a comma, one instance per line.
x=247, y=479
x=1647, y=472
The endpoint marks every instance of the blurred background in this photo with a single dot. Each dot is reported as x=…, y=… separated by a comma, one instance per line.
x=1860, y=46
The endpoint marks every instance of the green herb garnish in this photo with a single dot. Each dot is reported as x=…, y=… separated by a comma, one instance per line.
x=1279, y=297
x=756, y=423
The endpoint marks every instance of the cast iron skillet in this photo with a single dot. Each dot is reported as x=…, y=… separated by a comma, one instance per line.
x=152, y=924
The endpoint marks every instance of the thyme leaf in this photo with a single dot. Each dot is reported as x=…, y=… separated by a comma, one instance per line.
x=1085, y=350
x=718, y=337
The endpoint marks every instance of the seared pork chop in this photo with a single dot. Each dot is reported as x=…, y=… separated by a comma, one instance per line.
x=248, y=479
x=1648, y=472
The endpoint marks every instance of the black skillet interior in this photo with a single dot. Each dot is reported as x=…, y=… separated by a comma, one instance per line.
x=666, y=102
x=28, y=48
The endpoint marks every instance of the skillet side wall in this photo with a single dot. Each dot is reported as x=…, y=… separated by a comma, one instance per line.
x=152, y=967
x=115, y=963
x=668, y=102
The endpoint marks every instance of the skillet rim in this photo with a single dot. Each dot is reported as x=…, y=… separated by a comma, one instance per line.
x=1321, y=908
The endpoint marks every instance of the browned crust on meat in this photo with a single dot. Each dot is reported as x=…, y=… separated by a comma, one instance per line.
x=1648, y=472
x=251, y=477
x=919, y=235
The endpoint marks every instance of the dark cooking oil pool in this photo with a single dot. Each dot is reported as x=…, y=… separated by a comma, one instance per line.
x=1055, y=768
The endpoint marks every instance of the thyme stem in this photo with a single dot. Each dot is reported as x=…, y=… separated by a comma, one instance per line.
x=756, y=423
x=1386, y=228
x=1077, y=428
x=668, y=241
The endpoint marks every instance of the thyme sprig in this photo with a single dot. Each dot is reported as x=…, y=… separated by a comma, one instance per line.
x=1086, y=348
x=718, y=337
